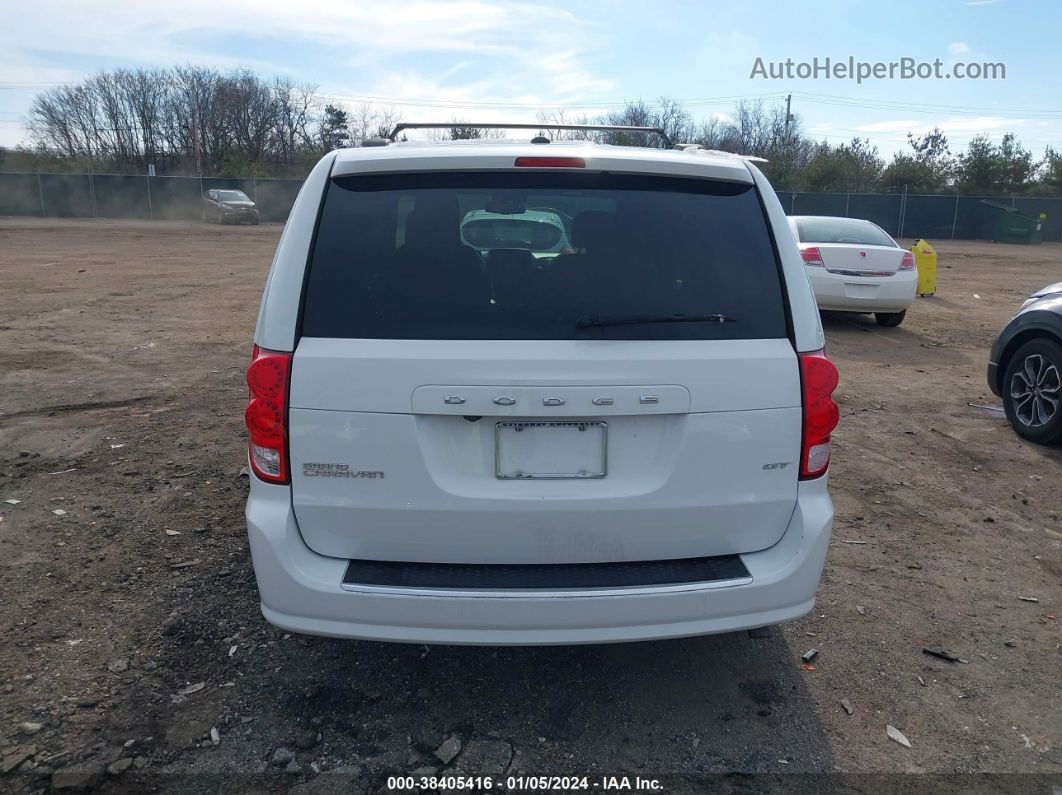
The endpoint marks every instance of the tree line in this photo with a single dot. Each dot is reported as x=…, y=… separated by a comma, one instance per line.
x=191, y=120
x=799, y=162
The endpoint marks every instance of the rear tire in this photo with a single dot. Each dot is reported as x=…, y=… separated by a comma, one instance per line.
x=221, y=218
x=1032, y=392
x=890, y=319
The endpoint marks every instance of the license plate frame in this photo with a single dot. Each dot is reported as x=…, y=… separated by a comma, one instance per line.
x=857, y=291
x=503, y=430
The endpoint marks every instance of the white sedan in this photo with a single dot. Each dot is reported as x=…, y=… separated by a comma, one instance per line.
x=854, y=266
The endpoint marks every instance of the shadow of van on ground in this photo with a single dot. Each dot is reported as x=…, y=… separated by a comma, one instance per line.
x=713, y=704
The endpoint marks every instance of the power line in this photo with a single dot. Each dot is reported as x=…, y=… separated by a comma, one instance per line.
x=492, y=105
x=937, y=111
x=818, y=98
x=929, y=105
x=472, y=103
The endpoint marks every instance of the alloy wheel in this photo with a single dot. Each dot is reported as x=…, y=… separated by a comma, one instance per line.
x=1036, y=390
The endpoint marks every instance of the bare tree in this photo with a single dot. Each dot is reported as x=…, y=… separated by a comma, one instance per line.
x=296, y=106
x=200, y=120
x=186, y=119
x=547, y=119
x=464, y=130
x=371, y=121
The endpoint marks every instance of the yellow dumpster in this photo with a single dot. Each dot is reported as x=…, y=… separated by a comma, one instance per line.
x=926, y=260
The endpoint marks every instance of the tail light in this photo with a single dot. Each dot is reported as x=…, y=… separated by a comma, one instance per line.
x=267, y=414
x=811, y=256
x=818, y=378
x=908, y=261
x=550, y=162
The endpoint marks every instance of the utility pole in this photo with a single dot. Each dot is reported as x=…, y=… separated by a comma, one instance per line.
x=196, y=146
x=788, y=115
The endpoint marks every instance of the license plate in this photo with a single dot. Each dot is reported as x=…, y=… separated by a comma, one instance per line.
x=860, y=290
x=551, y=450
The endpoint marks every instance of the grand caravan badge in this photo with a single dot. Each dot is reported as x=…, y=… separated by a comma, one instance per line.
x=315, y=470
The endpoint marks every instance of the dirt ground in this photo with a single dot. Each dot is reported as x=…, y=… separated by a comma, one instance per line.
x=129, y=613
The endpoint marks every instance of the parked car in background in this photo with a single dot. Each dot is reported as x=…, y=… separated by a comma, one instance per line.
x=854, y=266
x=224, y=206
x=461, y=433
x=1025, y=366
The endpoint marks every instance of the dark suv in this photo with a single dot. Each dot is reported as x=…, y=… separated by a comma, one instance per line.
x=223, y=206
x=1025, y=366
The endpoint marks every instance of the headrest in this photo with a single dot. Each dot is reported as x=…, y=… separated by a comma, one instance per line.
x=502, y=260
x=594, y=229
x=429, y=226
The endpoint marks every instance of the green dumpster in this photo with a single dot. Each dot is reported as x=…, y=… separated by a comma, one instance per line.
x=1010, y=226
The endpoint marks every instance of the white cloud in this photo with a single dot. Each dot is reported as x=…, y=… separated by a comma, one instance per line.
x=964, y=124
x=978, y=124
x=162, y=31
x=958, y=48
x=962, y=128
x=899, y=125
x=501, y=49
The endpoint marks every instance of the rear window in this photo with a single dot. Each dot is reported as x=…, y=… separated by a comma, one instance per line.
x=842, y=230
x=512, y=255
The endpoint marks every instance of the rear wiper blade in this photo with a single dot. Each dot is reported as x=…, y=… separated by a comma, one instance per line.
x=594, y=321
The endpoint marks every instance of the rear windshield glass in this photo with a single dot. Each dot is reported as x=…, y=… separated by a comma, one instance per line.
x=511, y=255
x=232, y=196
x=842, y=230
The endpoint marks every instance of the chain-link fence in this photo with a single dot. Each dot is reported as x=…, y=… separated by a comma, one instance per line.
x=180, y=198
x=937, y=217
x=123, y=196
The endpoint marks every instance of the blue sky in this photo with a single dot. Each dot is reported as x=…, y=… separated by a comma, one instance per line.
x=485, y=60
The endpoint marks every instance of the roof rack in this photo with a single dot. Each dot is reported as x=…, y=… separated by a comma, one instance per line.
x=421, y=125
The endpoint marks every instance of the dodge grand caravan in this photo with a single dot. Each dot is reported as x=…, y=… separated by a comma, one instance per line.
x=620, y=439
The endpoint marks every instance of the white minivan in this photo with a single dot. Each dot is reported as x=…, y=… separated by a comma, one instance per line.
x=618, y=439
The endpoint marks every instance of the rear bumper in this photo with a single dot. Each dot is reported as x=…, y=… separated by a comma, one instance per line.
x=835, y=292
x=302, y=591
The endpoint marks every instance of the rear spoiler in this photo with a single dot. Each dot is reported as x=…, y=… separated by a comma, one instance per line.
x=427, y=125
